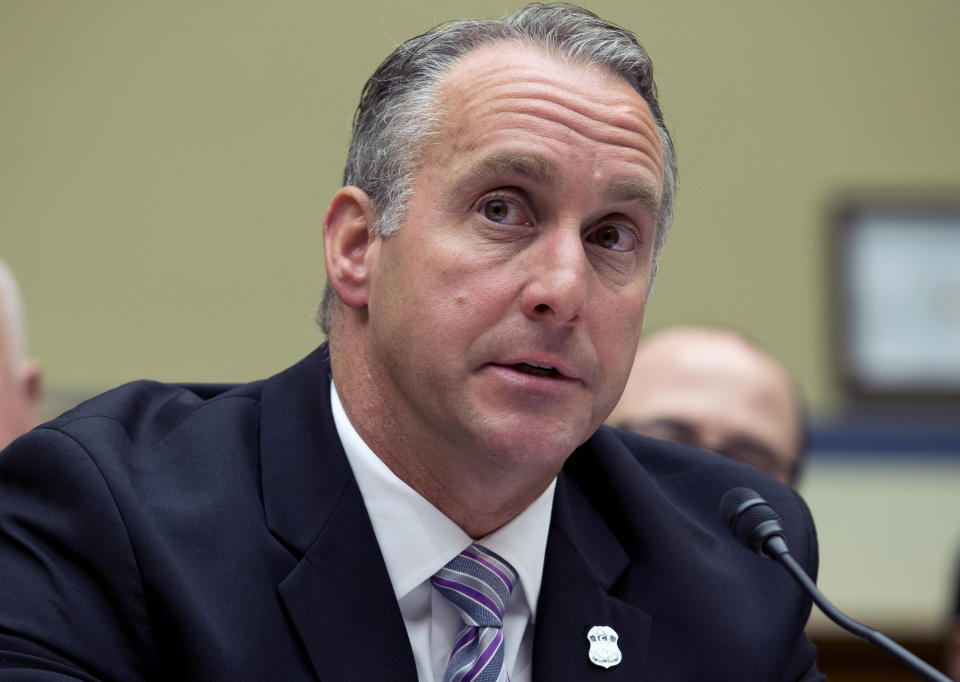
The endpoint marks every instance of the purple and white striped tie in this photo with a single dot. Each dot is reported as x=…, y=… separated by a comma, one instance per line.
x=478, y=583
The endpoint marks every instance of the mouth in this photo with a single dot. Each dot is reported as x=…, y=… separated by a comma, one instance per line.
x=536, y=370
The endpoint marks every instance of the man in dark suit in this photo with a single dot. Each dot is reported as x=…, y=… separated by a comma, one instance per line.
x=428, y=496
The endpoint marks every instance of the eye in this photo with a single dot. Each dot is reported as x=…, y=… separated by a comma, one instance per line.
x=614, y=238
x=496, y=210
x=504, y=211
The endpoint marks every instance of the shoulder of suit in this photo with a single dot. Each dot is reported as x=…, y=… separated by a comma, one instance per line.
x=681, y=473
x=658, y=457
x=147, y=411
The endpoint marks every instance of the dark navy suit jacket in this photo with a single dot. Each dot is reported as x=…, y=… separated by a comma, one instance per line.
x=165, y=532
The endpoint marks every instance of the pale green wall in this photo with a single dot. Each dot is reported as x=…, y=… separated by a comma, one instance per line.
x=165, y=166
x=889, y=537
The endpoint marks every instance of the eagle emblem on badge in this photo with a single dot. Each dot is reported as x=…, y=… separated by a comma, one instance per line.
x=603, y=646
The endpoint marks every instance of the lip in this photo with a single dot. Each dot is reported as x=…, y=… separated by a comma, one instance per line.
x=565, y=371
x=509, y=378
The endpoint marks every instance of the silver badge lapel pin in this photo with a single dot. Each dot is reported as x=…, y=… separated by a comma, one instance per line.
x=603, y=646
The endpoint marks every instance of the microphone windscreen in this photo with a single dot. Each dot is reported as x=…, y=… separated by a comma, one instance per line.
x=750, y=518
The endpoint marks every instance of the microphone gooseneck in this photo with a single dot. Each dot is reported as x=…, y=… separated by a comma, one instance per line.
x=755, y=523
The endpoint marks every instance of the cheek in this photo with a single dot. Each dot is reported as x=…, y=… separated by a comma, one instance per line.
x=616, y=337
x=623, y=312
x=460, y=313
x=449, y=304
x=472, y=287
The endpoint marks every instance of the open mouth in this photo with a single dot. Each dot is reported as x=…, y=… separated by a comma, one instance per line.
x=536, y=370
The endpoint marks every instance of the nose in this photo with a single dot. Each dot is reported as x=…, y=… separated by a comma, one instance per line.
x=557, y=278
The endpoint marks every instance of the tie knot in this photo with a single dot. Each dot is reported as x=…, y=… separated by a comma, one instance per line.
x=478, y=583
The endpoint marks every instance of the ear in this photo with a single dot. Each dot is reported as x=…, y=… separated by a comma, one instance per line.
x=350, y=244
x=32, y=381
x=26, y=405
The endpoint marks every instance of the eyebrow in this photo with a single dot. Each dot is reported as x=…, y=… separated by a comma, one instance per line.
x=644, y=426
x=528, y=166
x=752, y=446
x=635, y=189
x=736, y=448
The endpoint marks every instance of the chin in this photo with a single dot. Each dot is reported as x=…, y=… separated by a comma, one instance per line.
x=540, y=445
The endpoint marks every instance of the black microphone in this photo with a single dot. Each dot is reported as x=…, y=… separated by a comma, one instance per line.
x=757, y=525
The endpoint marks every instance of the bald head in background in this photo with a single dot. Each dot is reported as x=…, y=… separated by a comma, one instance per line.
x=19, y=377
x=714, y=389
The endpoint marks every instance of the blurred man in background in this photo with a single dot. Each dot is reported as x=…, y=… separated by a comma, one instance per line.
x=19, y=377
x=713, y=389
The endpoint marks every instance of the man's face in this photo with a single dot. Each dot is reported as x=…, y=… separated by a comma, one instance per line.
x=18, y=389
x=505, y=311
x=712, y=390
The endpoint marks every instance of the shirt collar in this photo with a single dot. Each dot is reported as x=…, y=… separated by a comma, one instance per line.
x=417, y=539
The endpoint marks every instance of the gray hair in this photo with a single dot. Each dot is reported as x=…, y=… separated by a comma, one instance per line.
x=11, y=313
x=398, y=107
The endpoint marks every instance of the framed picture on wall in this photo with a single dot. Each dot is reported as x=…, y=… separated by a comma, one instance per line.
x=896, y=297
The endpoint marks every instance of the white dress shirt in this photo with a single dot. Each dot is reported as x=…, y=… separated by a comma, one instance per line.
x=416, y=540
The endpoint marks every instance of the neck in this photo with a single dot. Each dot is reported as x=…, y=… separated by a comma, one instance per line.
x=471, y=491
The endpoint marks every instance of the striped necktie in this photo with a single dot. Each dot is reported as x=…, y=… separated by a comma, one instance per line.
x=478, y=583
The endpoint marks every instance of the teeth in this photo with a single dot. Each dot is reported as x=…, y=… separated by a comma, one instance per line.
x=533, y=364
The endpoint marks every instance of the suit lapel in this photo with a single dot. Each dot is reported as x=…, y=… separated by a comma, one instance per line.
x=341, y=602
x=583, y=563
x=338, y=596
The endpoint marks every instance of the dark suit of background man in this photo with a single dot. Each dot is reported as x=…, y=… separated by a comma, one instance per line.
x=489, y=257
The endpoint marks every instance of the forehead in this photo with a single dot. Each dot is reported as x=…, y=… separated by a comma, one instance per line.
x=714, y=379
x=721, y=362
x=509, y=87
